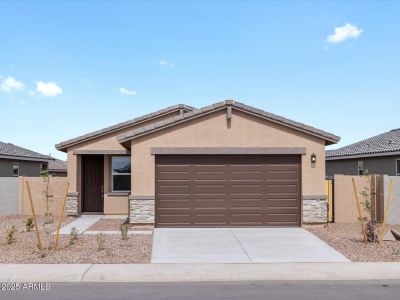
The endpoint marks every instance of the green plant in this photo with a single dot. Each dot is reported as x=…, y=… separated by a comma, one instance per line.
x=73, y=236
x=29, y=224
x=10, y=237
x=101, y=240
x=124, y=231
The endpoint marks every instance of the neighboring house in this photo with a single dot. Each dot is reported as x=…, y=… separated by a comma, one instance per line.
x=227, y=164
x=57, y=168
x=17, y=161
x=379, y=155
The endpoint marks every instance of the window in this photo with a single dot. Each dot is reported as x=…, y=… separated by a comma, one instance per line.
x=398, y=167
x=121, y=173
x=16, y=169
x=360, y=167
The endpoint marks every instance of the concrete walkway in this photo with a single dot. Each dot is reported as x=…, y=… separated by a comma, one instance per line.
x=240, y=245
x=83, y=222
x=197, y=272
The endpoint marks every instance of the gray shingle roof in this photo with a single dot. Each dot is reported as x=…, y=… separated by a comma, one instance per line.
x=10, y=151
x=329, y=137
x=57, y=165
x=63, y=145
x=381, y=143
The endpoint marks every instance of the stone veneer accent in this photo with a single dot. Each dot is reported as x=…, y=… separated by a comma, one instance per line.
x=72, y=204
x=141, y=209
x=314, y=209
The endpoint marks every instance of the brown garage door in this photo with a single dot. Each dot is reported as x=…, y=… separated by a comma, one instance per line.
x=227, y=190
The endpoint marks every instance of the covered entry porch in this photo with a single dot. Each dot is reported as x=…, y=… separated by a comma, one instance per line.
x=103, y=183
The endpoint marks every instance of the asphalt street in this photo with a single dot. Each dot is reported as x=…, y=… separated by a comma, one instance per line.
x=299, y=290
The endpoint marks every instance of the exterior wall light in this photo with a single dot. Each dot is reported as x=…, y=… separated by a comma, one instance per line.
x=313, y=158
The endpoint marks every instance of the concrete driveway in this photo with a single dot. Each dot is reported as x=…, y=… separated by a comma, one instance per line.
x=240, y=245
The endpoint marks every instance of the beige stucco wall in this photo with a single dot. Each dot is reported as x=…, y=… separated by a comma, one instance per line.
x=37, y=186
x=345, y=205
x=213, y=131
x=112, y=204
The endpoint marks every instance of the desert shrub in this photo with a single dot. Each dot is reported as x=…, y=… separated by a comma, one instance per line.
x=101, y=240
x=124, y=231
x=29, y=224
x=73, y=236
x=10, y=237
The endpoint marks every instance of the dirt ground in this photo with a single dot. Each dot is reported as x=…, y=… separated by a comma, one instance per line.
x=115, y=224
x=136, y=249
x=347, y=239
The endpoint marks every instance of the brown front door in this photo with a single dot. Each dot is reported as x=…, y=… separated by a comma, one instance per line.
x=227, y=190
x=93, y=183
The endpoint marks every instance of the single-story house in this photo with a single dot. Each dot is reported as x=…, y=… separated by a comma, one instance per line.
x=17, y=161
x=57, y=168
x=379, y=155
x=227, y=164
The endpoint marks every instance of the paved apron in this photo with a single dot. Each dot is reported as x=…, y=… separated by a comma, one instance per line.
x=240, y=245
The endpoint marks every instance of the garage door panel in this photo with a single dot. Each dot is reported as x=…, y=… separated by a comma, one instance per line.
x=245, y=202
x=210, y=203
x=246, y=175
x=175, y=203
x=174, y=189
x=230, y=190
x=247, y=188
x=209, y=175
x=282, y=188
x=285, y=175
x=283, y=217
x=210, y=219
x=282, y=202
x=174, y=175
x=213, y=189
x=245, y=219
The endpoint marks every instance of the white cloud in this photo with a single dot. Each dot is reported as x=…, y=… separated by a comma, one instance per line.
x=166, y=63
x=10, y=84
x=48, y=89
x=343, y=33
x=125, y=91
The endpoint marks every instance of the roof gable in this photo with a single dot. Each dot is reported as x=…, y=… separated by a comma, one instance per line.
x=64, y=145
x=328, y=137
x=387, y=142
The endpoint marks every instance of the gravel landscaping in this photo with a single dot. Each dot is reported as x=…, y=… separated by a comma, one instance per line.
x=136, y=249
x=347, y=239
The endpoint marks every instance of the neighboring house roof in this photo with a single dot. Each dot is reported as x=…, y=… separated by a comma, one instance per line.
x=387, y=143
x=329, y=137
x=10, y=151
x=57, y=166
x=63, y=145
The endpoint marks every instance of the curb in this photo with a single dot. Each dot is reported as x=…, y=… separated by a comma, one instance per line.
x=196, y=272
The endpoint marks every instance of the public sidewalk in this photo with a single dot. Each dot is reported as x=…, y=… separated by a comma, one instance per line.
x=196, y=272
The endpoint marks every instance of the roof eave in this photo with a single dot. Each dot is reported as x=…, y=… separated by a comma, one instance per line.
x=329, y=138
x=63, y=146
x=363, y=155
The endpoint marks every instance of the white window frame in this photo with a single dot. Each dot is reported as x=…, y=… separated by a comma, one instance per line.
x=397, y=169
x=360, y=169
x=15, y=164
x=112, y=174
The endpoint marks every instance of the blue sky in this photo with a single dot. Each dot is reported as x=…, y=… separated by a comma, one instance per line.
x=68, y=68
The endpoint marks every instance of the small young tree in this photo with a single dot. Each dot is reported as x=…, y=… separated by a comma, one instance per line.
x=47, y=192
x=368, y=204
